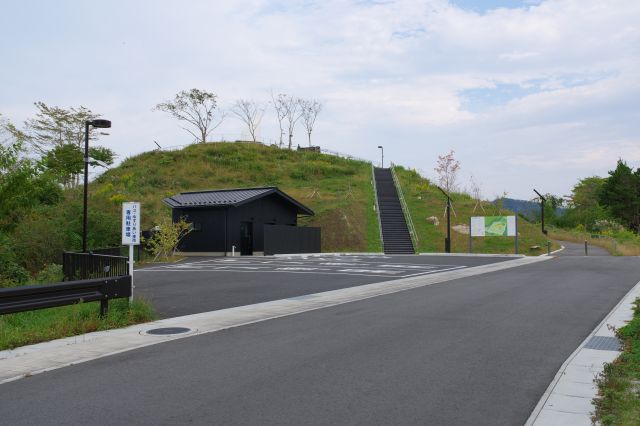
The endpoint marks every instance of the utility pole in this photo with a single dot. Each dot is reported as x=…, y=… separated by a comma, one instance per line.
x=542, y=201
x=447, y=241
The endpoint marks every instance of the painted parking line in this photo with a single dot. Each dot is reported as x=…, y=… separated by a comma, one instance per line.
x=323, y=266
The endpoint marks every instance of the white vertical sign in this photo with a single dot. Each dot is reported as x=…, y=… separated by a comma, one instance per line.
x=130, y=224
x=131, y=233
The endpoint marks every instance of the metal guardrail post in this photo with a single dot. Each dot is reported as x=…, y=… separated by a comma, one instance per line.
x=375, y=194
x=405, y=209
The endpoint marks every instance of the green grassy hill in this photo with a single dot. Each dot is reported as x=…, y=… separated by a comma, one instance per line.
x=337, y=189
x=425, y=200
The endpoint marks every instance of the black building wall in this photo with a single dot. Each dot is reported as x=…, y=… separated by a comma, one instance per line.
x=213, y=226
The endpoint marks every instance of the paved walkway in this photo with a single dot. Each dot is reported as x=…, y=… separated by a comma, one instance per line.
x=576, y=249
x=568, y=400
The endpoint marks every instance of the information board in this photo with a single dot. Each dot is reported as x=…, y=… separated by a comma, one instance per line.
x=493, y=226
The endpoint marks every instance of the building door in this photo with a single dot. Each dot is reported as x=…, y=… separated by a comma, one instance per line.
x=246, y=238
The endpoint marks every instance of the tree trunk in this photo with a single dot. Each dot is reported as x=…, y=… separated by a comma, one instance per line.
x=290, y=140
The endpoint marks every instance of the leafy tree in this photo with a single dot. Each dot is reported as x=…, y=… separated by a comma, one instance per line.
x=58, y=134
x=24, y=183
x=166, y=237
x=621, y=194
x=584, y=205
x=198, y=109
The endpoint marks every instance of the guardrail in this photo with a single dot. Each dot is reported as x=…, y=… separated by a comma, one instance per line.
x=32, y=297
x=82, y=266
x=405, y=209
x=377, y=206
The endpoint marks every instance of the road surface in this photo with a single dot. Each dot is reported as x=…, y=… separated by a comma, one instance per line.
x=473, y=351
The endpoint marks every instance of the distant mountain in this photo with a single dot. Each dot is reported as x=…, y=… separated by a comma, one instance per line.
x=528, y=209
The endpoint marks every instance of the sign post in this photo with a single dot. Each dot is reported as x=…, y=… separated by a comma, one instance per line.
x=131, y=233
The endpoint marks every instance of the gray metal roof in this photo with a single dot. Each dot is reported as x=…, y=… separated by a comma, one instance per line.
x=229, y=197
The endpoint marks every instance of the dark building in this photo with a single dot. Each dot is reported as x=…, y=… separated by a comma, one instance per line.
x=254, y=220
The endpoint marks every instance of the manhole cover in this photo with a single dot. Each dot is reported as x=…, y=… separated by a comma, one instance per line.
x=168, y=330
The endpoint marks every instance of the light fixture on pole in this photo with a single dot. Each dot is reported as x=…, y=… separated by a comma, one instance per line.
x=447, y=241
x=382, y=153
x=542, y=201
x=98, y=124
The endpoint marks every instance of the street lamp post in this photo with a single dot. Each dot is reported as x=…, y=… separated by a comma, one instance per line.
x=542, y=201
x=382, y=153
x=98, y=124
x=447, y=241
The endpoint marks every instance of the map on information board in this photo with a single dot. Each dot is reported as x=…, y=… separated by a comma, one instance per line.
x=493, y=226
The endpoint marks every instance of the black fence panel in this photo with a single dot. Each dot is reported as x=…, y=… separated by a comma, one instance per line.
x=281, y=239
x=83, y=266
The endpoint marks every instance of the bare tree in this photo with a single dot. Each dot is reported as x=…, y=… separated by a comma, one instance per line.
x=292, y=113
x=309, y=110
x=196, y=107
x=279, y=106
x=447, y=169
x=250, y=113
x=476, y=194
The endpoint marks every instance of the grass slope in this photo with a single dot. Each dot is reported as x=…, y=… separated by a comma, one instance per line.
x=338, y=190
x=618, y=402
x=425, y=200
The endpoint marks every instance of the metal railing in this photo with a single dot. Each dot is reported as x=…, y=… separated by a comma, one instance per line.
x=32, y=297
x=405, y=208
x=82, y=266
x=377, y=205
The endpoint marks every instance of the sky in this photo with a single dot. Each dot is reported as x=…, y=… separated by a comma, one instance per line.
x=528, y=93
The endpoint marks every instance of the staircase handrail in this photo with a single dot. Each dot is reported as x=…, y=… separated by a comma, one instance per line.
x=405, y=209
x=375, y=194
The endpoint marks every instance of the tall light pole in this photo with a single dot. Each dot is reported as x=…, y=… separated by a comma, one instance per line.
x=382, y=152
x=98, y=124
x=447, y=241
x=542, y=201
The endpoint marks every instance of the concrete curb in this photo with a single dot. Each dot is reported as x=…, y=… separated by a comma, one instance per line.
x=568, y=398
x=34, y=359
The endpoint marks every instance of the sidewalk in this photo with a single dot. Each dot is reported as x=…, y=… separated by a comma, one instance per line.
x=567, y=400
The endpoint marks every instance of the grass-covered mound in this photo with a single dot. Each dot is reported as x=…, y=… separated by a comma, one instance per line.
x=338, y=190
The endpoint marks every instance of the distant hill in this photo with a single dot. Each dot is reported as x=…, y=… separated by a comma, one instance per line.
x=526, y=208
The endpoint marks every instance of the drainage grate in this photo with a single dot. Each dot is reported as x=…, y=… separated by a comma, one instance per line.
x=603, y=343
x=168, y=330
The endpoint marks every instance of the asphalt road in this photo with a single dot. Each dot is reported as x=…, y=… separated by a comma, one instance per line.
x=474, y=351
x=575, y=249
x=206, y=284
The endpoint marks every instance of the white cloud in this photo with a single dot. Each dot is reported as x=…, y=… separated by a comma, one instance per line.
x=391, y=73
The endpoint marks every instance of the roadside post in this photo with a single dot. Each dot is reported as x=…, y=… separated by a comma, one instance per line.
x=586, y=251
x=131, y=232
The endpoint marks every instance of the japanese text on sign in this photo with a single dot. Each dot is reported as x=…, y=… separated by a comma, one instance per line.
x=131, y=223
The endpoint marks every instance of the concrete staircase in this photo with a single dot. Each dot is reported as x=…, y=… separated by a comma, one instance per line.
x=395, y=233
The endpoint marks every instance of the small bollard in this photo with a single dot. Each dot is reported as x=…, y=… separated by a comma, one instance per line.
x=586, y=250
x=233, y=251
x=548, y=248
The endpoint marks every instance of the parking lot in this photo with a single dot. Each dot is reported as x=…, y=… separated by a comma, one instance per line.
x=205, y=284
